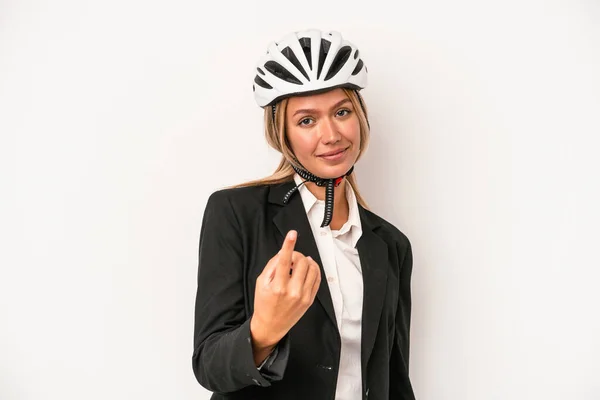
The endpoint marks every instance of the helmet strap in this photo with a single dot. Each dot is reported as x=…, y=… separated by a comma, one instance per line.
x=328, y=183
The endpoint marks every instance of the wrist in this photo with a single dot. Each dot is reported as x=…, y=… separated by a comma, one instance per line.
x=260, y=337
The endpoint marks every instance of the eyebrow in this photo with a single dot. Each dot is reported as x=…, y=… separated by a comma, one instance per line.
x=315, y=111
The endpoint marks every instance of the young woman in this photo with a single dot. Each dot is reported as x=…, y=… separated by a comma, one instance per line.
x=270, y=248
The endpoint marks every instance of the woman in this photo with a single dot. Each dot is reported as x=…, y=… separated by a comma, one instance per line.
x=269, y=248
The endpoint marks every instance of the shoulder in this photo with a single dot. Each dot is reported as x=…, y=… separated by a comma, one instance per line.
x=388, y=231
x=238, y=194
x=238, y=198
x=242, y=201
x=398, y=243
x=234, y=207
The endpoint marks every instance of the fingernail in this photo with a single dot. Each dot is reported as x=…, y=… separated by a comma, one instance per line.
x=292, y=235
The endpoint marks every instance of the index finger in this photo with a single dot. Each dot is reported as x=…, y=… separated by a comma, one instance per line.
x=287, y=248
x=282, y=271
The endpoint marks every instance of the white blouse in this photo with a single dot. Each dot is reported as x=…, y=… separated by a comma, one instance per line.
x=343, y=275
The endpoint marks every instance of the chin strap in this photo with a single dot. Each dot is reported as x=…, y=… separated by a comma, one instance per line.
x=329, y=185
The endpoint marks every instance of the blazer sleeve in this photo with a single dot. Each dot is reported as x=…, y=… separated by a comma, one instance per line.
x=222, y=360
x=400, y=386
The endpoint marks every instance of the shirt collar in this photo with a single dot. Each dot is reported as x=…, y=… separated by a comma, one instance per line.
x=353, y=225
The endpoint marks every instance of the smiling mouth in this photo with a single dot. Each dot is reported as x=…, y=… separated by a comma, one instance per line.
x=334, y=154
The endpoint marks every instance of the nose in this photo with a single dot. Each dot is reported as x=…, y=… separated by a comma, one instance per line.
x=329, y=131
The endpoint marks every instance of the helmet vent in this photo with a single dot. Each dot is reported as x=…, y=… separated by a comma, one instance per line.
x=325, y=44
x=339, y=61
x=289, y=54
x=279, y=71
x=258, y=80
x=305, y=44
x=358, y=67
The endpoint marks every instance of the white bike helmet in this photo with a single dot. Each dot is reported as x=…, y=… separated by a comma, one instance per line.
x=307, y=62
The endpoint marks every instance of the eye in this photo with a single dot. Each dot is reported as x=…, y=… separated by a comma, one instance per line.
x=343, y=112
x=304, y=121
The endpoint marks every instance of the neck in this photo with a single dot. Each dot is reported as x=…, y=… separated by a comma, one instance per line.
x=340, y=202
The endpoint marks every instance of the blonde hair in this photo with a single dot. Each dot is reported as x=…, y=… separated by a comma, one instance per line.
x=276, y=138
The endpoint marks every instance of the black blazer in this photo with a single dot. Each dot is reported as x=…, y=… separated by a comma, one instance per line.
x=242, y=229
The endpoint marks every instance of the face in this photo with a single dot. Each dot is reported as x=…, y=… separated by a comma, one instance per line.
x=324, y=132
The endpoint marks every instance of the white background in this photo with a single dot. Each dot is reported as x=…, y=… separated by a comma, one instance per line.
x=119, y=118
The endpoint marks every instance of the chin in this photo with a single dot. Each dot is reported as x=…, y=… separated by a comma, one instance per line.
x=331, y=171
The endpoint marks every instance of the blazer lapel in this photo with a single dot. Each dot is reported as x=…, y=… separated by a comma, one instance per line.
x=293, y=216
x=373, y=254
